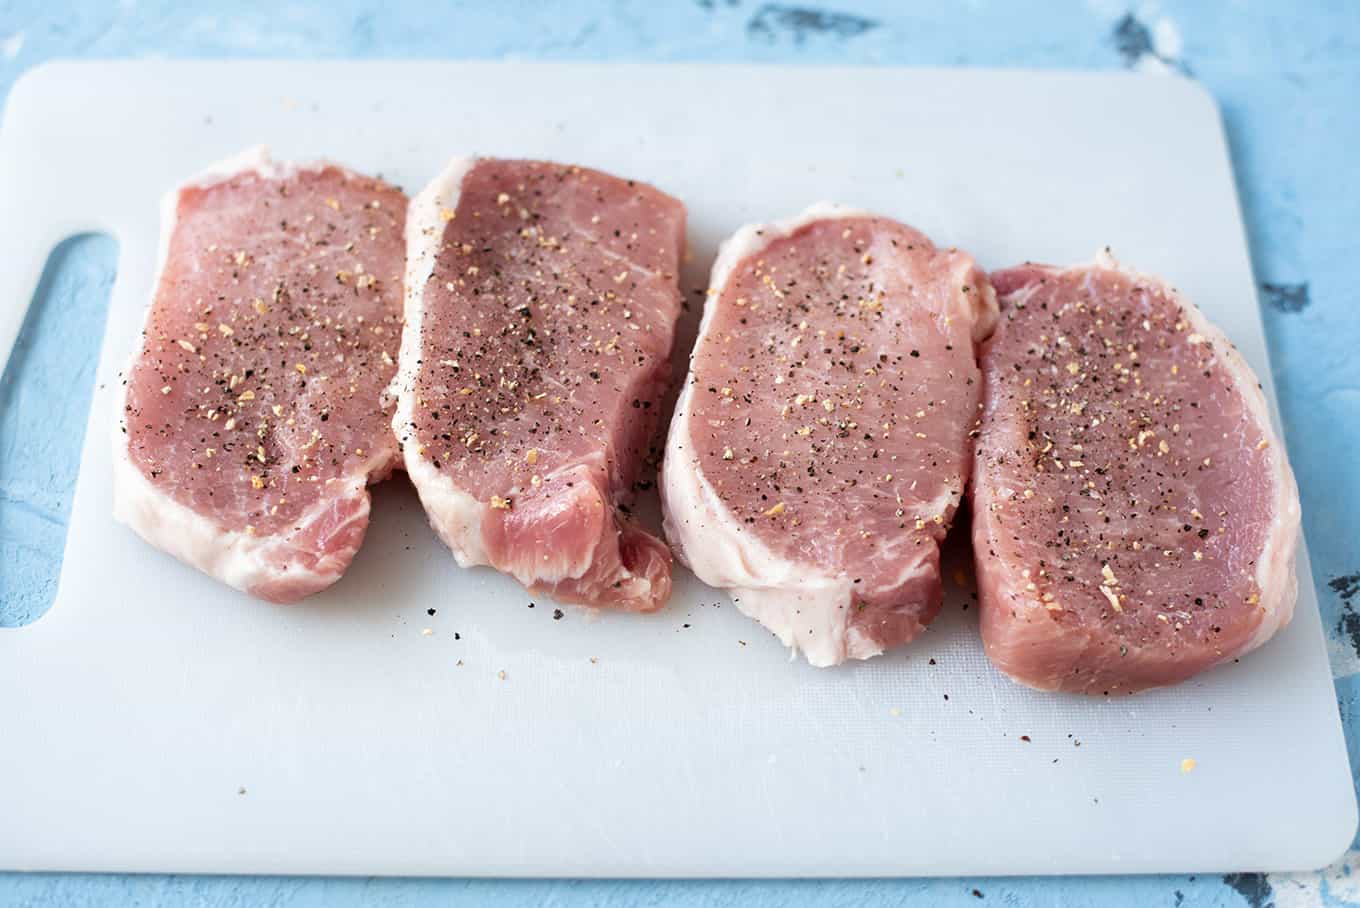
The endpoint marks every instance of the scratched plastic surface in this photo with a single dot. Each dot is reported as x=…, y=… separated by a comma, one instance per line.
x=338, y=737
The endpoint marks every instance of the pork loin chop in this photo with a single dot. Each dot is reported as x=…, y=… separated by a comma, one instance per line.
x=540, y=312
x=250, y=423
x=821, y=442
x=1134, y=515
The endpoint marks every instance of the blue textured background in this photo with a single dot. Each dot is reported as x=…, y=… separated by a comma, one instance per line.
x=1287, y=77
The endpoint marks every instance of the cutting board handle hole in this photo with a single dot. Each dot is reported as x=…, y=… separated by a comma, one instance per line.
x=45, y=393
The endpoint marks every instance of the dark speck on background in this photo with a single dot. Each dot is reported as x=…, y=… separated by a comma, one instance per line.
x=1348, y=625
x=1286, y=297
x=1133, y=40
x=774, y=20
x=1346, y=586
x=1253, y=887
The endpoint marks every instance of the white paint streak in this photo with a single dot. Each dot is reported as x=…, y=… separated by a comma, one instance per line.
x=1166, y=39
x=1343, y=657
x=1339, y=881
x=10, y=47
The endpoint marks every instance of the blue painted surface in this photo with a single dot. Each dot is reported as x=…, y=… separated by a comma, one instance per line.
x=1286, y=76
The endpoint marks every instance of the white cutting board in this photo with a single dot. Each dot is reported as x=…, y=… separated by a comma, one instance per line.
x=156, y=721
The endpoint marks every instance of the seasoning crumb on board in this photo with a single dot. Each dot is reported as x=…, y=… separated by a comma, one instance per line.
x=1188, y=764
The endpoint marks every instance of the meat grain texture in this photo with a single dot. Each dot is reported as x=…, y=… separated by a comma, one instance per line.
x=250, y=422
x=1135, y=519
x=540, y=315
x=821, y=443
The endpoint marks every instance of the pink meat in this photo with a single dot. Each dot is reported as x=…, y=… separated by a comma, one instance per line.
x=251, y=422
x=820, y=446
x=1135, y=518
x=537, y=351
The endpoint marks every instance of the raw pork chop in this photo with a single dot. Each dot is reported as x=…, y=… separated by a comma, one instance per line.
x=540, y=311
x=250, y=420
x=1134, y=516
x=820, y=445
